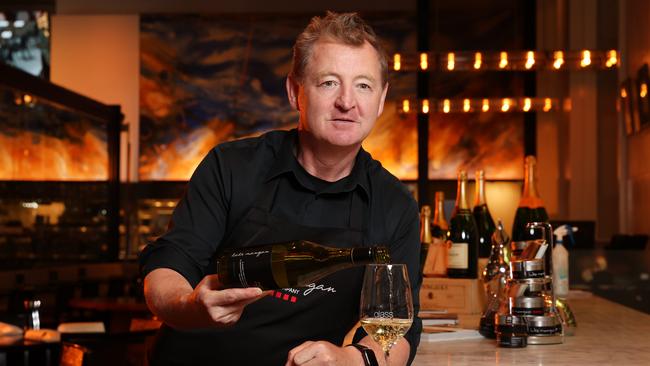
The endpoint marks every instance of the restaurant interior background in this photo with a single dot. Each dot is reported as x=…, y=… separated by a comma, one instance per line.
x=120, y=100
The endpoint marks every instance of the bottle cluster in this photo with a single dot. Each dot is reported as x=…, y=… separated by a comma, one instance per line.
x=452, y=249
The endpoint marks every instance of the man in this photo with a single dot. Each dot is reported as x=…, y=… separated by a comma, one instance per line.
x=314, y=183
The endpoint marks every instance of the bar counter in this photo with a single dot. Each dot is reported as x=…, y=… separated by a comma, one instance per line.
x=607, y=334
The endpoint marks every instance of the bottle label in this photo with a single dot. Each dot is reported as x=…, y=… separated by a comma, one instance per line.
x=252, y=268
x=458, y=256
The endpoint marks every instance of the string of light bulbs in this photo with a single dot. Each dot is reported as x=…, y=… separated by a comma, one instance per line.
x=506, y=61
x=483, y=105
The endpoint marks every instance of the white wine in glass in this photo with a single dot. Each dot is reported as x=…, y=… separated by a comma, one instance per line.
x=386, y=304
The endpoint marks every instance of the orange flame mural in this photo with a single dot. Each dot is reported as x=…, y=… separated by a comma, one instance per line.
x=26, y=155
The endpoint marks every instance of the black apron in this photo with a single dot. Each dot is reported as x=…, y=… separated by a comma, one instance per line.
x=271, y=327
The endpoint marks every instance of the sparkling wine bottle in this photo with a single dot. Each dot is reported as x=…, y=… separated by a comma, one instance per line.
x=293, y=264
x=425, y=234
x=462, y=259
x=436, y=262
x=440, y=226
x=484, y=221
x=531, y=207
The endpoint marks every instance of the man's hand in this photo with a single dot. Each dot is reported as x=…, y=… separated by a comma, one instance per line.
x=173, y=300
x=218, y=307
x=324, y=353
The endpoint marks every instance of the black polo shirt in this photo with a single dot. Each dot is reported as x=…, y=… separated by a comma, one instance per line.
x=230, y=177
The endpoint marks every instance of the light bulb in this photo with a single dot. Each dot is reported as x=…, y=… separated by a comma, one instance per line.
x=485, y=105
x=644, y=90
x=478, y=60
x=397, y=62
x=558, y=57
x=586, y=58
x=530, y=59
x=406, y=106
x=548, y=104
x=612, y=58
x=451, y=61
x=424, y=61
x=503, y=60
x=505, y=105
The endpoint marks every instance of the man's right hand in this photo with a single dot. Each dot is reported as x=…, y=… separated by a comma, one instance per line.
x=222, y=307
x=171, y=298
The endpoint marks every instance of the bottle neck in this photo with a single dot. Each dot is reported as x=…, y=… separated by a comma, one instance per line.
x=425, y=225
x=368, y=255
x=439, y=213
x=530, y=197
x=461, y=194
x=480, y=189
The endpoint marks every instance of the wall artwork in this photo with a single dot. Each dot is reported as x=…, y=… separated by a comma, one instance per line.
x=44, y=141
x=214, y=78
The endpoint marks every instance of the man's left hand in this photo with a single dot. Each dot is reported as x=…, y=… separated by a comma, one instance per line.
x=323, y=353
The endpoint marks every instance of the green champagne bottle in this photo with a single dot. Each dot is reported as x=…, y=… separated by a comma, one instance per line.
x=293, y=264
x=484, y=221
x=462, y=261
x=531, y=207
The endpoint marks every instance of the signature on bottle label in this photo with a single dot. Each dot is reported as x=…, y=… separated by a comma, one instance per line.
x=256, y=253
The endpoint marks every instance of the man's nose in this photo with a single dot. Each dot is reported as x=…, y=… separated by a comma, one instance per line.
x=345, y=100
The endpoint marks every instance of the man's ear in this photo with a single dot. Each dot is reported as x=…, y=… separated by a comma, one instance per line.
x=292, y=92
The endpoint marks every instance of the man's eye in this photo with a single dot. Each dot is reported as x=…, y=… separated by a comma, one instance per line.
x=365, y=86
x=328, y=83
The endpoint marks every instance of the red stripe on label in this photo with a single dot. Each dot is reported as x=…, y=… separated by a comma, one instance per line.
x=278, y=294
x=293, y=299
x=285, y=297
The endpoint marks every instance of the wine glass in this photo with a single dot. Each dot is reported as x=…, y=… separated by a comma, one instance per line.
x=386, y=304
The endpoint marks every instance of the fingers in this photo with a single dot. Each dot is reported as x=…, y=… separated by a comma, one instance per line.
x=292, y=354
x=320, y=353
x=235, y=296
x=224, y=307
x=212, y=293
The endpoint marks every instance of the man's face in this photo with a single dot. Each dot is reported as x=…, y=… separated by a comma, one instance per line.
x=341, y=94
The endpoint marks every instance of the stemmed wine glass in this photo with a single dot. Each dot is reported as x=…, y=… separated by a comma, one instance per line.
x=386, y=304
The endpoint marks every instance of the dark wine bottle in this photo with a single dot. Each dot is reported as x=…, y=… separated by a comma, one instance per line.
x=294, y=264
x=425, y=234
x=483, y=219
x=531, y=207
x=439, y=226
x=462, y=258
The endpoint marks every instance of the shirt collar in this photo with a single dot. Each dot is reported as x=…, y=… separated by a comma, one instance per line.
x=285, y=162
